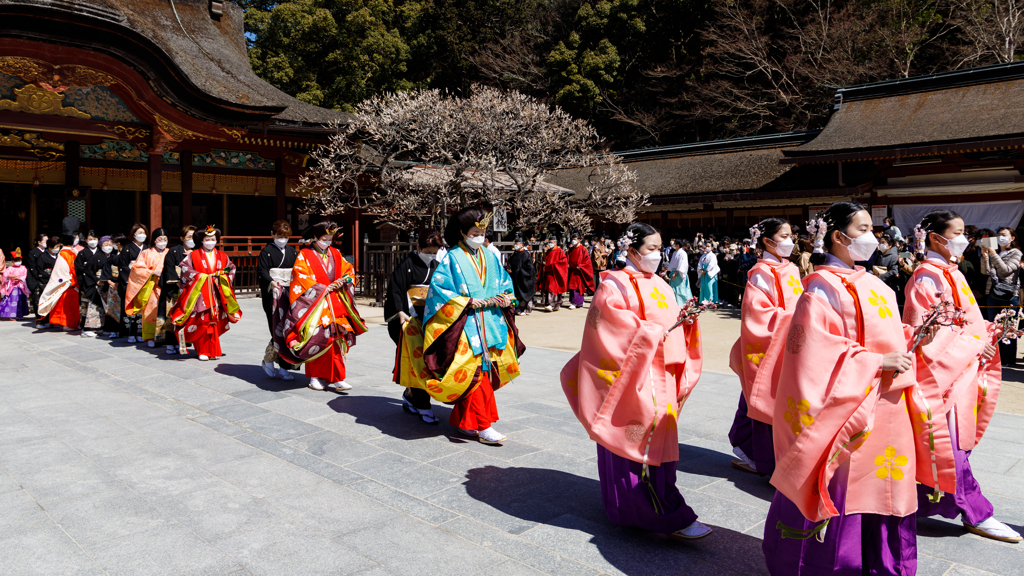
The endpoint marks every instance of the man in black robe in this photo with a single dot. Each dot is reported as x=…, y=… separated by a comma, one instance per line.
x=35, y=287
x=524, y=277
x=44, y=268
x=277, y=254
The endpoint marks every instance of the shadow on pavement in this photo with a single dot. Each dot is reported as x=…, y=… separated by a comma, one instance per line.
x=254, y=374
x=570, y=517
x=386, y=414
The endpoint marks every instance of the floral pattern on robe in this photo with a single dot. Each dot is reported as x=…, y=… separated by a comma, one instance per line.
x=835, y=404
x=461, y=343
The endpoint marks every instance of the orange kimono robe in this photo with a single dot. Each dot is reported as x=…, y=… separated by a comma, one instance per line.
x=329, y=322
x=59, y=300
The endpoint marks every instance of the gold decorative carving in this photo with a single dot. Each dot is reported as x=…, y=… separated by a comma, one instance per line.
x=173, y=131
x=37, y=142
x=128, y=132
x=55, y=78
x=236, y=134
x=47, y=154
x=13, y=141
x=35, y=100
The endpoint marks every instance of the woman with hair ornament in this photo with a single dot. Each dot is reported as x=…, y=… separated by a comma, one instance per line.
x=627, y=385
x=958, y=381
x=845, y=447
x=470, y=341
x=321, y=322
x=206, y=305
x=772, y=289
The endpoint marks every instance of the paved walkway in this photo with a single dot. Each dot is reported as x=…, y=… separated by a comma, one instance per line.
x=119, y=460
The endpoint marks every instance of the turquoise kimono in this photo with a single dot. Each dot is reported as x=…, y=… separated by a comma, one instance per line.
x=462, y=342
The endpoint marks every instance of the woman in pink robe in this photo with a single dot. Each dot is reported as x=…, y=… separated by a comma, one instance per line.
x=773, y=287
x=627, y=385
x=143, y=294
x=959, y=373
x=845, y=447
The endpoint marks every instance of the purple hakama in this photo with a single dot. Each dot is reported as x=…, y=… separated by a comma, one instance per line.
x=627, y=500
x=576, y=298
x=968, y=499
x=14, y=305
x=854, y=544
x=754, y=438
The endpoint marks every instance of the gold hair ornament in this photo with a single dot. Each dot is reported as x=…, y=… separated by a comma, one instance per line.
x=485, y=221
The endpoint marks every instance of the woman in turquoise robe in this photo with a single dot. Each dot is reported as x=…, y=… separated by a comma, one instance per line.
x=470, y=342
x=708, y=268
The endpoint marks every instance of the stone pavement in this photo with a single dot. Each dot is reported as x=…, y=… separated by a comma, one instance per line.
x=119, y=460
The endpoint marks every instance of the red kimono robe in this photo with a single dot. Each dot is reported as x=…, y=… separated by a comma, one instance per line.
x=581, y=270
x=325, y=324
x=207, y=302
x=555, y=273
x=59, y=300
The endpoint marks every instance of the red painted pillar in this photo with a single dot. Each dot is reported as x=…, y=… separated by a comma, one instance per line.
x=154, y=173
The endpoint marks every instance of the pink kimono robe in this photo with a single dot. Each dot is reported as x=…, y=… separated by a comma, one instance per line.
x=844, y=444
x=143, y=293
x=769, y=298
x=951, y=374
x=625, y=385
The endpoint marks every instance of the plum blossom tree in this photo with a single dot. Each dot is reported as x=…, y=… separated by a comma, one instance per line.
x=411, y=158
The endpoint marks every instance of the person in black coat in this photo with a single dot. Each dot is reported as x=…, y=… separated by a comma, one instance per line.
x=131, y=326
x=113, y=307
x=169, y=288
x=35, y=287
x=43, y=269
x=524, y=277
x=89, y=266
x=414, y=270
x=276, y=254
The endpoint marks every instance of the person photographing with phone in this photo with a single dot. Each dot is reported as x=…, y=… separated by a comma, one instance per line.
x=1000, y=261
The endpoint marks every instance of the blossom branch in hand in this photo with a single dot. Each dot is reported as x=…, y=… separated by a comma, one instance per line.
x=691, y=310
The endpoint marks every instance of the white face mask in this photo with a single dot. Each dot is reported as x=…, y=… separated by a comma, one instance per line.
x=55, y=251
x=75, y=243
x=140, y=238
x=649, y=262
x=209, y=245
x=281, y=242
x=427, y=258
x=161, y=245
x=93, y=244
x=107, y=249
x=862, y=247
x=190, y=243
x=324, y=245
x=957, y=245
x=784, y=248
x=1003, y=240
x=475, y=241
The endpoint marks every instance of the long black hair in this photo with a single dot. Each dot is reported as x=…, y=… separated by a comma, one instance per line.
x=636, y=234
x=461, y=223
x=839, y=216
x=937, y=221
x=768, y=228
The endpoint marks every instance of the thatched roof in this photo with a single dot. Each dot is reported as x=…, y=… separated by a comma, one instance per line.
x=207, y=54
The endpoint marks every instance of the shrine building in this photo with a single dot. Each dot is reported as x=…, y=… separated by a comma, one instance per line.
x=122, y=111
